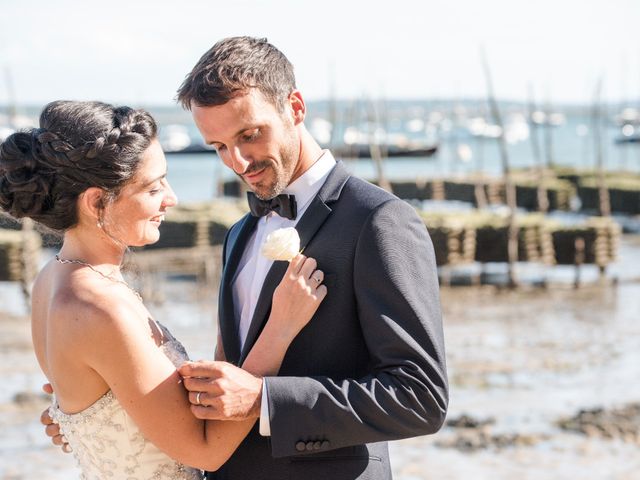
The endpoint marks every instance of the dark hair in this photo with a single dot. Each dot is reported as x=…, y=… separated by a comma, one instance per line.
x=234, y=65
x=78, y=145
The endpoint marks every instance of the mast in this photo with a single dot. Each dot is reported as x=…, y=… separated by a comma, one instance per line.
x=512, y=244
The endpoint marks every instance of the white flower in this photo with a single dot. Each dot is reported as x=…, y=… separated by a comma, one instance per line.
x=281, y=244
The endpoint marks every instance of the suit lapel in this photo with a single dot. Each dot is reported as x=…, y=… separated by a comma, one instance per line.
x=315, y=215
x=227, y=320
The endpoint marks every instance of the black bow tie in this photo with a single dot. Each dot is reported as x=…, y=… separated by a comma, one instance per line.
x=284, y=205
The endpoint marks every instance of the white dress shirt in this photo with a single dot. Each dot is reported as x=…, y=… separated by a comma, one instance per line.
x=253, y=267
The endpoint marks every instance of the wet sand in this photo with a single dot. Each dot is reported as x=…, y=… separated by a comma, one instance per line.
x=521, y=361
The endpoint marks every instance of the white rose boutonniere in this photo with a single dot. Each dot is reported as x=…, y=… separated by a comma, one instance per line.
x=282, y=244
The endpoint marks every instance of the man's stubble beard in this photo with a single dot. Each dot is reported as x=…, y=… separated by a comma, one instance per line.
x=289, y=156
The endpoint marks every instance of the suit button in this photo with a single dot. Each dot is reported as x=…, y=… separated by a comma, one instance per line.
x=309, y=446
x=300, y=446
x=317, y=445
x=326, y=444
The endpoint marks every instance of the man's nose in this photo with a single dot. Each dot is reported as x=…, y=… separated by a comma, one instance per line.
x=238, y=162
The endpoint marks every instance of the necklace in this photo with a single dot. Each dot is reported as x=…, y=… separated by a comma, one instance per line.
x=103, y=275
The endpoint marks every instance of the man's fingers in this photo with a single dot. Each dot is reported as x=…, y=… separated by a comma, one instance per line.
x=206, y=413
x=45, y=418
x=202, y=385
x=47, y=388
x=212, y=413
x=52, y=430
x=203, y=399
x=201, y=369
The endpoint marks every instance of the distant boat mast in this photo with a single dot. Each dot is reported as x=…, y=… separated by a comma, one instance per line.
x=11, y=97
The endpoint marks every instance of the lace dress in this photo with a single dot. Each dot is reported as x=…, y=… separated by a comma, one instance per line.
x=108, y=445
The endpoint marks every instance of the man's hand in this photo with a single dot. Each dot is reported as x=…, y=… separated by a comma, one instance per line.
x=221, y=391
x=53, y=429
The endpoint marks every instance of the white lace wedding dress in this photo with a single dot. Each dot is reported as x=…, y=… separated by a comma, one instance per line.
x=108, y=445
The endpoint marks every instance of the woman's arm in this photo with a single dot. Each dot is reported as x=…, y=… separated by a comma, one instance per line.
x=149, y=388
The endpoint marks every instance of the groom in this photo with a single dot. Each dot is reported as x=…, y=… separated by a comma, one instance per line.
x=370, y=366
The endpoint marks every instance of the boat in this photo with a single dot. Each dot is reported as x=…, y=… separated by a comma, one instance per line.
x=176, y=139
x=629, y=122
x=628, y=134
x=191, y=149
x=362, y=150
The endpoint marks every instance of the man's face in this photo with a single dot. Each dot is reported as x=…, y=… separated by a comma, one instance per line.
x=253, y=138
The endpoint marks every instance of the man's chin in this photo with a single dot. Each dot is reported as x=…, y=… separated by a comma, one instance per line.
x=263, y=192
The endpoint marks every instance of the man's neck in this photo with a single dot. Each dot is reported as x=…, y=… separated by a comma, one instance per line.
x=309, y=154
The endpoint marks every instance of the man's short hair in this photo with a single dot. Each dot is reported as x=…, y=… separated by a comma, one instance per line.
x=234, y=65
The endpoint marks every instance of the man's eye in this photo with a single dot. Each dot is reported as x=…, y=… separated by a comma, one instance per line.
x=248, y=137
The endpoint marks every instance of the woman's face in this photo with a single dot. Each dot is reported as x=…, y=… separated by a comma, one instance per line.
x=135, y=216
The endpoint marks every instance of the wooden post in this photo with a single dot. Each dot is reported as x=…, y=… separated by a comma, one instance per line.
x=543, y=200
x=603, y=192
x=578, y=260
x=509, y=186
x=375, y=149
x=479, y=188
x=548, y=138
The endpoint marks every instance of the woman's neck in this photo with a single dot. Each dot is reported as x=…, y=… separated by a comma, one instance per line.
x=94, y=247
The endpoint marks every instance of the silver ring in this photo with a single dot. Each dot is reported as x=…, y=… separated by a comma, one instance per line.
x=198, y=398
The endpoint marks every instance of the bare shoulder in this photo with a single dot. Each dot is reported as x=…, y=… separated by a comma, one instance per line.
x=93, y=307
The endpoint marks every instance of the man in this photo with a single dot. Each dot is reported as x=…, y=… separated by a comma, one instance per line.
x=370, y=366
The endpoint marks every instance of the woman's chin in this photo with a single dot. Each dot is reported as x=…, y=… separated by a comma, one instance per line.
x=149, y=239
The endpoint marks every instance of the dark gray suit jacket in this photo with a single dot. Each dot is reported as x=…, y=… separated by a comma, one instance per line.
x=370, y=366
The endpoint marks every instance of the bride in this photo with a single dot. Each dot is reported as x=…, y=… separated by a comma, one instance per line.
x=98, y=174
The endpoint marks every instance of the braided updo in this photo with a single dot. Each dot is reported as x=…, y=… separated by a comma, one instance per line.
x=78, y=145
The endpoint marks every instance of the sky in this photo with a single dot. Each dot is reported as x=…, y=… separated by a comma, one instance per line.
x=138, y=52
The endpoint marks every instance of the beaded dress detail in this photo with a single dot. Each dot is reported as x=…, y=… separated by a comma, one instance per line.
x=108, y=445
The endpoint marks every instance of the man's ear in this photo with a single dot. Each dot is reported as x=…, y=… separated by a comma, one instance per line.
x=299, y=109
x=91, y=203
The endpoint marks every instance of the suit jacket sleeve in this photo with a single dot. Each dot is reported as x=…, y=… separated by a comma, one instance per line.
x=406, y=392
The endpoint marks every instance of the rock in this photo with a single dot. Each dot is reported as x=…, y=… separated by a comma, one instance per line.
x=619, y=423
x=30, y=398
x=466, y=421
x=473, y=434
x=469, y=440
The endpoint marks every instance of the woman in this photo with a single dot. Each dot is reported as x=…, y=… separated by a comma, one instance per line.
x=98, y=174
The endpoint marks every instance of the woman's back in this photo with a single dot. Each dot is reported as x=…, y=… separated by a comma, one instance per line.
x=107, y=442
x=61, y=331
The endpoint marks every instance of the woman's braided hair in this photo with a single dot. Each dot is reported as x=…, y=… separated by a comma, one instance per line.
x=78, y=145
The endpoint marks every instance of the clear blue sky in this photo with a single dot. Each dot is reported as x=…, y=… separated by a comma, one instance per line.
x=129, y=51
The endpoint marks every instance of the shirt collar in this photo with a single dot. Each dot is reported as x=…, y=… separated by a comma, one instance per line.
x=309, y=183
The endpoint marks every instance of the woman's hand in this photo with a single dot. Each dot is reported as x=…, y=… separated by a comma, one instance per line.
x=298, y=296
